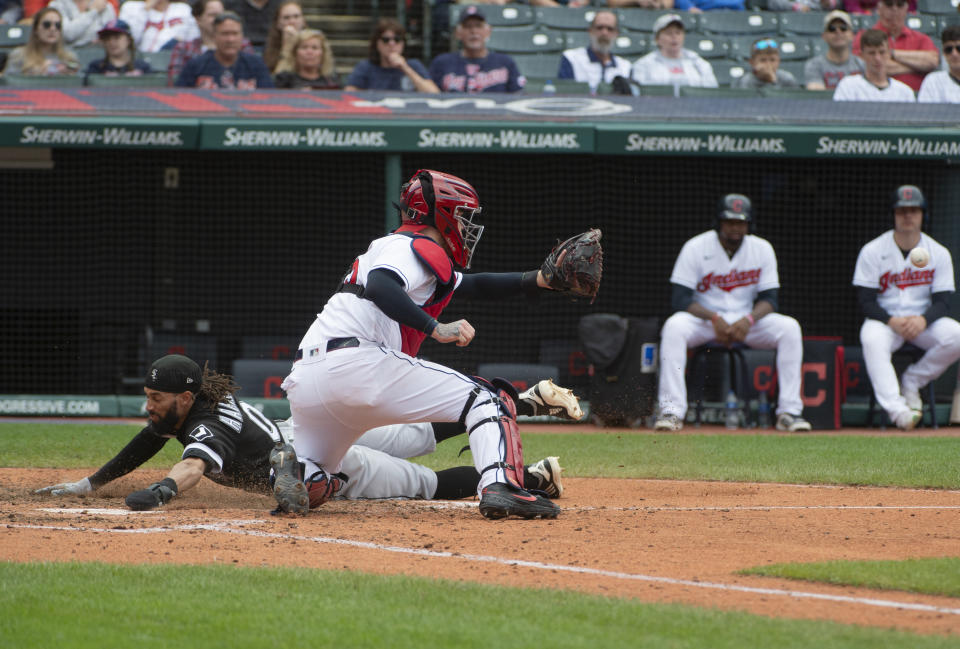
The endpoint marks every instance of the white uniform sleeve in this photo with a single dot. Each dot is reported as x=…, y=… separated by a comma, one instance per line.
x=943, y=280
x=866, y=274
x=769, y=277
x=398, y=256
x=686, y=271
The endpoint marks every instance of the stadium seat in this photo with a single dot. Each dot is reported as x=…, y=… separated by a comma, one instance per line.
x=925, y=24
x=260, y=378
x=12, y=36
x=564, y=17
x=690, y=91
x=561, y=86
x=728, y=70
x=159, y=61
x=795, y=68
x=794, y=49
x=797, y=23
x=945, y=21
x=656, y=90
x=938, y=7
x=155, y=80
x=538, y=66
x=73, y=81
x=738, y=22
x=641, y=20
x=86, y=55
x=526, y=41
x=709, y=47
x=512, y=15
x=628, y=44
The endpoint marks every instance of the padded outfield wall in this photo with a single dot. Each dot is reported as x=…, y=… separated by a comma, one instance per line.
x=230, y=217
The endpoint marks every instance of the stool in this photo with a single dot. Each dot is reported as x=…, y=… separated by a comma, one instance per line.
x=911, y=354
x=738, y=374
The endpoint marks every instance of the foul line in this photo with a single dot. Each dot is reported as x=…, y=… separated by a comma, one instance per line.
x=367, y=545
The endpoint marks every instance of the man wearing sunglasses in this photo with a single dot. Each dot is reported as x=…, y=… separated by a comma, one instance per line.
x=765, y=64
x=943, y=87
x=824, y=71
x=912, y=54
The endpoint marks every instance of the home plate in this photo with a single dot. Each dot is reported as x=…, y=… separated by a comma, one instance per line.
x=102, y=512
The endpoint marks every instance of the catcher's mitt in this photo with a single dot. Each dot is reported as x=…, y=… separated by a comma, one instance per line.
x=576, y=265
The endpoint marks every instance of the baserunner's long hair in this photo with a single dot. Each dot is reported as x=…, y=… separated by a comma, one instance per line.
x=215, y=387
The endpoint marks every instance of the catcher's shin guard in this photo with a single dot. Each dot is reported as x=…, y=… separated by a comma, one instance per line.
x=506, y=417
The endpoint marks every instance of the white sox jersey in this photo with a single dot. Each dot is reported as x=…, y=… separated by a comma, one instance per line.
x=903, y=289
x=724, y=284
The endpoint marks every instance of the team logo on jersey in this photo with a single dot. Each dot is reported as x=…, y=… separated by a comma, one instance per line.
x=906, y=278
x=734, y=279
x=201, y=433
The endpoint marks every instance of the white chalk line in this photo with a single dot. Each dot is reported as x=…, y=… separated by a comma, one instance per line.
x=456, y=504
x=367, y=545
x=94, y=511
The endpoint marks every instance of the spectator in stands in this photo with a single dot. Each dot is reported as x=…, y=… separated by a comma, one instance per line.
x=226, y=65
x=765, y=65
x=387, y=68
x=257, y=16
x=875, y=84
x=45, y=54
x=671, y=63
x=596, y=64
x=869, y=7
x=699, y=6
x=159, y=24
x=82, y=19
x=307, y=64
x=943, y=86
x=824, y=71
x=120, y=53
x=804, y=6
x=204, y=11
x=643, y=4
x=475, y=68
x=912, y=54
x=11, y=11
x=287, y=22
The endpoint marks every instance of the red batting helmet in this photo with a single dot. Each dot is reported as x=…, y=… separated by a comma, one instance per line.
x=447, y=203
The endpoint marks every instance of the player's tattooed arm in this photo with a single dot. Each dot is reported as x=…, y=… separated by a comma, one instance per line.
x=460, y=332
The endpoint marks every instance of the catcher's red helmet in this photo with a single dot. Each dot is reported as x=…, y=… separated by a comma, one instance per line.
x=447, y=203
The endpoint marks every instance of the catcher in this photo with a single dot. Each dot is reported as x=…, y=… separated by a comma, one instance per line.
x=356, y=367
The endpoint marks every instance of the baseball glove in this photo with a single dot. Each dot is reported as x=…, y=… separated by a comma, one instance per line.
x=576, y=265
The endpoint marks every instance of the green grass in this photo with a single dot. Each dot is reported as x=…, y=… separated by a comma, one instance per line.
x=939, y=576
x=815, y=459
x=103, y=606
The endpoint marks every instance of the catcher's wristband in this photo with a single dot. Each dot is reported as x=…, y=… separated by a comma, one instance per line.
x=528, y=283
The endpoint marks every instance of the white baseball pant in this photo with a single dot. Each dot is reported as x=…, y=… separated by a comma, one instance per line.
x=683, y=330
x=335, y=397
x=941, y=340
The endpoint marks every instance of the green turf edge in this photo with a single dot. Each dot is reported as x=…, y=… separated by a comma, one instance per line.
x=929, y=576
x=95, y=605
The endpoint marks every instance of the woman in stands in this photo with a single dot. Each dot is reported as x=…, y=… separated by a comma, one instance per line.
x=82, y=19
x=119, y=53
x=387, y=68
x=45, y=54
x=308, y=64
x=288, y=21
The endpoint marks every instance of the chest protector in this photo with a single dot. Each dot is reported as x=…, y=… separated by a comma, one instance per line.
x=435, y=258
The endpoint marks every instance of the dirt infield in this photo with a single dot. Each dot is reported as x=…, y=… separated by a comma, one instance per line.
x=653, y=540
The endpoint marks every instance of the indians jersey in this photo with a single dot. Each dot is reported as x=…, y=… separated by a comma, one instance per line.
x=494, y=73
x=903, y=289
x=345, y=315
x=157, y=30
x=721, y=283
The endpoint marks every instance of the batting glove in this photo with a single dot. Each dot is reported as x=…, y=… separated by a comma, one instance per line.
x=78, y=488
x=159, y=493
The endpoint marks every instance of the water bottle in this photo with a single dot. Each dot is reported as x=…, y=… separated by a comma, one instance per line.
x=732, y=415
x=763, y=411
x=549, y=88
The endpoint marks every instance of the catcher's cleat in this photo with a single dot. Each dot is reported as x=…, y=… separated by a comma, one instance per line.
x=793, y=423
x=288, y=488
x=668, y=422
x=500, y=500
x=547, y=398
x=547, y=472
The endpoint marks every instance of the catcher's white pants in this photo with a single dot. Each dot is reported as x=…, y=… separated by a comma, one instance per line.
x=941, y=340
x=773, y=331
x=336, y=397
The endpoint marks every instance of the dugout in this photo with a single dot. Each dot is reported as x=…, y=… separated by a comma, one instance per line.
x=247, y=232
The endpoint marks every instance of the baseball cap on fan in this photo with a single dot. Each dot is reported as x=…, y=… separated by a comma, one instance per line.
x=114, y=27
x=472, y=11
x=665, y=21
x=174, y=373
x=836, y=14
